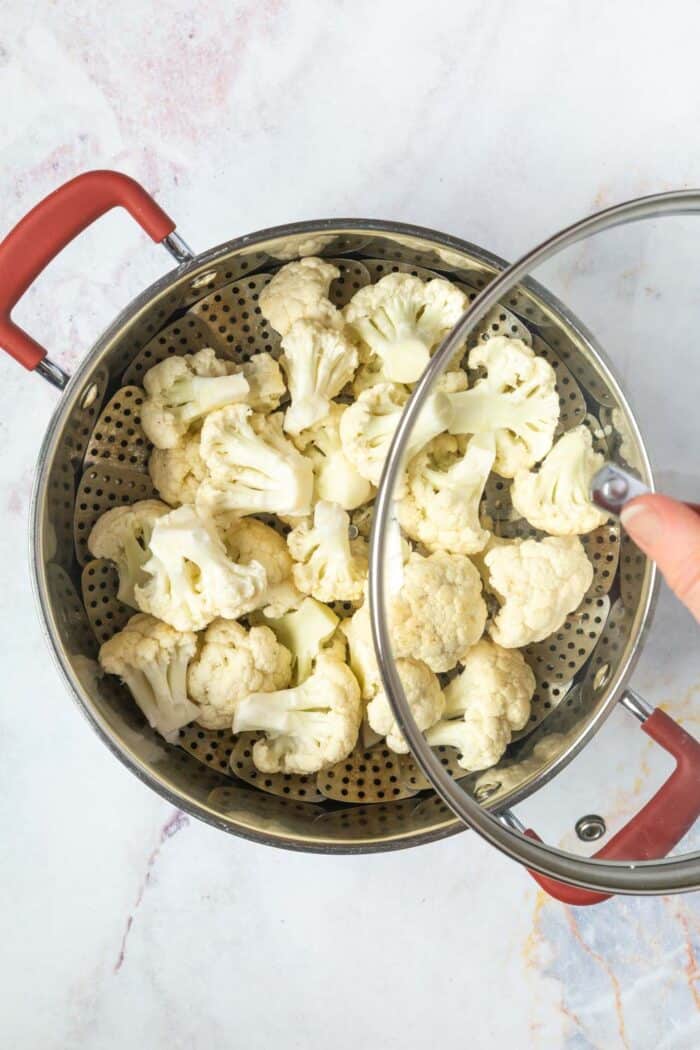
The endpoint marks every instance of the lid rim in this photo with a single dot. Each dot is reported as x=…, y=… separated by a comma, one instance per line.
x=669, y=874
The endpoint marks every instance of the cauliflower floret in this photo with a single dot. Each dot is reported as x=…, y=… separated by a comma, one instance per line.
x=495, y=681
x=192, y=581
x=206, y=363
x=627, y=449
x=444, y=487
x=248, y=540
x=363, y=659
x=368, y=425
x=538, y=582
x=328, y=564
x=304, y=632
x=261, y=371
x=309, y=727
x=425, y=699
x=335, y=478
x=253, y=467
x=487, y=701
x=181, y=390
x=557, y=499
x=481, y=739
x=232, y=663
x=318, y=362
x=266, y=382
x=336, y=646
x=177, y=472
x=452, y=381
x=361, y=520
x=151, y=659
x=300, y=290
x=438, y=612
x=294, y=248
x=371, y=372
x=122, y=535
x=402, y=320
x=516, y=401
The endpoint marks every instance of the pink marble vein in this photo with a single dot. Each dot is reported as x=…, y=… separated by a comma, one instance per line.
x=176, y=822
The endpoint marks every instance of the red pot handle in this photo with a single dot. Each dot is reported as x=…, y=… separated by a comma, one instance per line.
x=660, y=824
x=49, y=227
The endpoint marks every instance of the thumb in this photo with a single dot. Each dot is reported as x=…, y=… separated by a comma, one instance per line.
x=669, y=533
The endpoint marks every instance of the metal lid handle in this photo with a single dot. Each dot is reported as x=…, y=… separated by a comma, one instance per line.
x=612, y=487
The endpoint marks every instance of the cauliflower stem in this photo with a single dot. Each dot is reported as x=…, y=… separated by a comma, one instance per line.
x=336, y=479
x=304, y=631
x=444, y=488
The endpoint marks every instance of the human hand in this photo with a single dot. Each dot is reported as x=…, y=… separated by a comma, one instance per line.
x=669, y=533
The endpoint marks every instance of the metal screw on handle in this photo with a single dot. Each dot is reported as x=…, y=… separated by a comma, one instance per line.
x=178, y=248
x=52, y=373
x=590, y=828
x=509, y=820
x=636, y=705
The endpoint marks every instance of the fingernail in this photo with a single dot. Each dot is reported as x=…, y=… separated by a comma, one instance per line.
x=643, y=523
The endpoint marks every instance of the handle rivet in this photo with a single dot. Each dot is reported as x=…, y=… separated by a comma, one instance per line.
x=203, y=280
x=590, y=827
x=601, y=676
x=615, y=489
x=485, y=791
x=89, y=395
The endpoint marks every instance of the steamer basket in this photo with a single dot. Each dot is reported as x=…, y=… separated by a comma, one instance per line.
x=95, y=456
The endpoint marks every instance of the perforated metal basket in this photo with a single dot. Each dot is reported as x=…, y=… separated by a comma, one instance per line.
x=95, y=456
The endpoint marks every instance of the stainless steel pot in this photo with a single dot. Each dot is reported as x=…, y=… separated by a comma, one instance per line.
x=92, y=456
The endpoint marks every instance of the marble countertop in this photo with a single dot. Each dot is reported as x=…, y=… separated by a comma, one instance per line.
x=125, y=923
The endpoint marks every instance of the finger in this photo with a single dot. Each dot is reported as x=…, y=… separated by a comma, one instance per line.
x=669, y=533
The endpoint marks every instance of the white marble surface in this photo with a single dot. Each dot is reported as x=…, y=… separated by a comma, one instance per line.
x=126, y=924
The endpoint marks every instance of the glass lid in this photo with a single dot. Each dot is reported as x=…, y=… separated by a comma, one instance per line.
x=507, y=608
